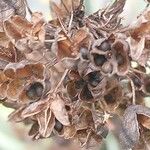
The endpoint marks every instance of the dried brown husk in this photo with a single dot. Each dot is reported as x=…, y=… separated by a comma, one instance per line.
x=24, y=69
x=87, y=141
x=120, y=50
x=115, y=97
x=46, y=121
x=130, y=125
x=65, y=52
x=85, y=120
x=59, y=110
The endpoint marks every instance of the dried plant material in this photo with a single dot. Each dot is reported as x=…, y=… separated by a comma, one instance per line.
x=33, y=109
x=129, y=131
x=14, y=89
x=121, y=49
x=4, y=40
x=46, y=121
x=8, y=54
x=11, y=31
x=69, y=132
x=72, y=76
x=3, y=90
x=10, y=8
x=59, y=110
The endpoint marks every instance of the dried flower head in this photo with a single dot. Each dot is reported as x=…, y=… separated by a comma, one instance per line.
x=73, y=77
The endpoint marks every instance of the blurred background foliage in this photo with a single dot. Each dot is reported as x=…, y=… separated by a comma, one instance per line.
x=15, y=136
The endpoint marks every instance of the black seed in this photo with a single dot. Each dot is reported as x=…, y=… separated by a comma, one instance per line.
x=94, y=78
x=58, y=126
x=99, y=60
x=109, y=98
x=84, y=53
x=35, y=91
x=104, y=46
x=79, y=84
x=86, y=94
x=67, y=107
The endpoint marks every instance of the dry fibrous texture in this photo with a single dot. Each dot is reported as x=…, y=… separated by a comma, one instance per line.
x=72, y=77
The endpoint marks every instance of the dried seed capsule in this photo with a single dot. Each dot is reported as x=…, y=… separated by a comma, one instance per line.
x=94, y=78
x=86, y=94
x=79, y=84
x=35, y=91
x=120, y=50
x=58, y=126
x=109, y=98
x=99, y=60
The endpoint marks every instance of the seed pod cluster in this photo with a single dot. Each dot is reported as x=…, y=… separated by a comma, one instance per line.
x=73, y=76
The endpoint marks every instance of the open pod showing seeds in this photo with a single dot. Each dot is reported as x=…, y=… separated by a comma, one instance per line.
x=96, y=83
x=94, y=78
x=32, y=92
x=120, y=51
x=112, y=96
x=85, y=120
x=86, y=94
x=98, y=59
x=26, y=82
x=74, y=84
x=72, y=90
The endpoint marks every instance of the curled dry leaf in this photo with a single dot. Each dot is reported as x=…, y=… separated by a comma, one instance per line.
x=16, y=115
x=34, y=108
x=129, y=134
x=69, y=132
x=59, y=110
x=46, y=121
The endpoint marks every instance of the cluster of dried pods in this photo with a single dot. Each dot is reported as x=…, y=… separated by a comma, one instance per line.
x=73, y=76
